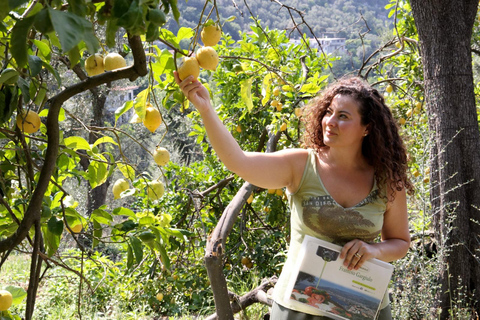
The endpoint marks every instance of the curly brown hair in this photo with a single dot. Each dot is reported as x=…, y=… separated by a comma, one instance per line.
x=382, y=147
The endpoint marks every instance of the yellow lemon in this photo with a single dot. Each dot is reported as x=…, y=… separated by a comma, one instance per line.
x=161, y=156
x=239, y=128
x=159, y=296
x=283, y=127
x=94, y=64
x=76, y=228
x=207, y=58
x=6, y=300
x=246, y=260
x=274, y=103
x=113, y=61
x=211, y=35
x=188, y=67
x=402, y=121
x=389, y=88
x=119, y=186
x=250, y=198
x=153, y=118
x=279, y=192
x=276, y=91
x=298, y=112
x=28, y=122
x=271, y=191
x=155, y=190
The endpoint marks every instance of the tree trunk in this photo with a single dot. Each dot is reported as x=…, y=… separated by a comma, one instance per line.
x=445, y=30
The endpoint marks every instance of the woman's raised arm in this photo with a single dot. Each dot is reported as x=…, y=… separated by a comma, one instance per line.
x=265, y=170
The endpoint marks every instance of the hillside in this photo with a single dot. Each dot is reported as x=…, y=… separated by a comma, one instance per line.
x=341, y=18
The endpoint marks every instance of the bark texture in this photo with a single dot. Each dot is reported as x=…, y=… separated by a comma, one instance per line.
x=445, y=31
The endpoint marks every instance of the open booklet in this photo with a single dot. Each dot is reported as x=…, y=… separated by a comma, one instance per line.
x=322, y=285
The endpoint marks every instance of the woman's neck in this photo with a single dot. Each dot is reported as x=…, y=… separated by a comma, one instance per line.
x=343, y=159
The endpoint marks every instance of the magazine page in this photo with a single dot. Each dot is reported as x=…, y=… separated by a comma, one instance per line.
x=321, y=285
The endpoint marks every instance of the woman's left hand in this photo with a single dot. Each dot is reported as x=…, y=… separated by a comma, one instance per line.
x=355, y=253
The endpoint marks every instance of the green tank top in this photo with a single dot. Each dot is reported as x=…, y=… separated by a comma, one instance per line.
x=314, y=212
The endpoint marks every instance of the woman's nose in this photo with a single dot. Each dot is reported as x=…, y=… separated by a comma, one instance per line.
x=330, y=120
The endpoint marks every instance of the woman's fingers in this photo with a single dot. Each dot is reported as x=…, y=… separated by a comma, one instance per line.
x=355, y=254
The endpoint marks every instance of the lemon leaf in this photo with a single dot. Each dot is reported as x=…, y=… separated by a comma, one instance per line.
x=140, y=103
x=121, y=211
x=184, y=33
x=76, y=143
x=97, y=171
x=97, y=233
x=137, y=248
x=18, y=294
x=104, y=140
x=101, y=216
x=127, y=170
x=246, y=93
x=266, y=91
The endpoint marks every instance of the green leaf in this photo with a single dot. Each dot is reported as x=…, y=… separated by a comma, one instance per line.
x=266, y=85
x=69, y=27
x=246, y=93
x=19, y=40
x=120, y=111
x=310, y=88
x=104, y=140
x=163, y=254
x=97, y=172
x=101, y=216
x=4, y=9
x=129, y=256
x=55, y=226
x=127, y=170
x=14, y=4
x=169, y=37
x=35, y=64
x=184, y=33
x=18, y=294
x=97, y=233
x=77, y=143
x=147, y=220
x=44, y=49
x=25, y=88
x=137, y=248
x=121, y=211
x=54, y=72
x=230, y=19
x=74, y=56
x=141, y=102
x=176, y=13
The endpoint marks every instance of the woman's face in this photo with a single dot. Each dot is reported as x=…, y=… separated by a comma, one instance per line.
x=342, y=125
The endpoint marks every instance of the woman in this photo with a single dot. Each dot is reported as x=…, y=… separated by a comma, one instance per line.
x=354, y=168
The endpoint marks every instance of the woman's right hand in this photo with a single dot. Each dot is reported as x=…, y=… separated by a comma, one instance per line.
x=195, y=92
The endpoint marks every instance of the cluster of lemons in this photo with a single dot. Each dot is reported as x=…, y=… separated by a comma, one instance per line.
x=206, y=57
x=97, y=63
x=156, y=188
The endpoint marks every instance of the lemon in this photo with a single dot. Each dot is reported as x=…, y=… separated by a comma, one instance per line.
x=119, y=186
x=389, y=88
x=211, y=35
x=276, y=91
x=6, y=300
x=188, y=67
x=29, y=122
x=76, y=228
x=159, y=296
x=153, y=118
x=94, y=64
x=161, y=156
x=239, y=128
x=274, y=103
x=113, y=61
x=283, y=127
x=279, y=192
x=298, y=112
x=250, y=199
x=207, y=58
x=155, y=190
x=402, y=121
x=246, y=260
x=279, y=106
